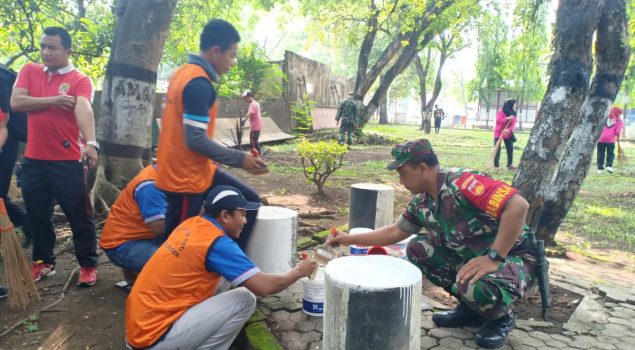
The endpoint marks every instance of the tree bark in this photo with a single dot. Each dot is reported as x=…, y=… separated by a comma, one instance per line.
x=383, y=112
x=123, y=128
x=560, y=109
x=611, y=62
x=367, y=45
x=422, y=73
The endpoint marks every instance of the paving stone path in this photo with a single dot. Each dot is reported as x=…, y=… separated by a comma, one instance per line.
x=605, y=318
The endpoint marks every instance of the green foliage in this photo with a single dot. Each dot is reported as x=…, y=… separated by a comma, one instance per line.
x=320, y=160
x=90, y=24
x=30, y=324
x=492, y=48
x=251, y=71
x=301, y=115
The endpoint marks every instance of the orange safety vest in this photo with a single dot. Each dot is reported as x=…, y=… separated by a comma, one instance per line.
x=124, y=222
x=172, y=281
x=179, y=168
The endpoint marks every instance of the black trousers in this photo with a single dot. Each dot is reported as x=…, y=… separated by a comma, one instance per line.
x=182, y=206
x=253, y=137
x=509, y=147
x=44, y=182
x=8, y=156
x=609, y=150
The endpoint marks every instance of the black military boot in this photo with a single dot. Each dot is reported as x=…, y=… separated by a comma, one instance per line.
x=494, y=333
x=461, y=316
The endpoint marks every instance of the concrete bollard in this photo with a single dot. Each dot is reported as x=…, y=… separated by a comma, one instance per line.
x=272, y=244
x=373, y=303
x=371, y=205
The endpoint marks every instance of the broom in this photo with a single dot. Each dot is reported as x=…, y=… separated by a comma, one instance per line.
x=492, y=155
x=20, y=286
x=622, y=159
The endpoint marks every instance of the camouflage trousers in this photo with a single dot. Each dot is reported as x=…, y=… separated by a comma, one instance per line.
x=346, y=133
x=492, y=295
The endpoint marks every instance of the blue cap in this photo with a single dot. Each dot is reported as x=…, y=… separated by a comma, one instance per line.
x=227, y=198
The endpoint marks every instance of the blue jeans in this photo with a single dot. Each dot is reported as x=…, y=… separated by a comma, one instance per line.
x=133, y=255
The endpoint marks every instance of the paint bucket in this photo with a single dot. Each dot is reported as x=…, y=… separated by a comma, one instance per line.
x=399, y=249
x=359, y=249
x=373, y=303
x=377, y=250
x=313, y=294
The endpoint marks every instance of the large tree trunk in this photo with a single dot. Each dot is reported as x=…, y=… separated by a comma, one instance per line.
x=129, y=92
x=436, y=90
x=611, y=63
x=558, y=154
x=383, y=112
x=422, y=73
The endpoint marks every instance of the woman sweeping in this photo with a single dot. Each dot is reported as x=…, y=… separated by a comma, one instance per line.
x=606, y=143
x=505, y=123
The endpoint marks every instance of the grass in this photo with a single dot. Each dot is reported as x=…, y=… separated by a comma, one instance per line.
x=603, y=214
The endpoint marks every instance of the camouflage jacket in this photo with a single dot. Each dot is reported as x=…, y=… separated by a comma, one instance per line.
x=466, y=217
x=347, y=112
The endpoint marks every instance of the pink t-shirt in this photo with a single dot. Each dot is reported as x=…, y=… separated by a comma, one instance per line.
x=53, y=133
x=255, y=120
x=501, y=121
x=1, y=115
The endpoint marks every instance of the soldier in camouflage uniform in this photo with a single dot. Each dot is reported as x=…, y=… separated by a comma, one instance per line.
x=471, y=240
x=347, y=118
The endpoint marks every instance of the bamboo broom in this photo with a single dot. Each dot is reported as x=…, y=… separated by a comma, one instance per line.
x=492, y=155
x=622, y=159
x=20, y=286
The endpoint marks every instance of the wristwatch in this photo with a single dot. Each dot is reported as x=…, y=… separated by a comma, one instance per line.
x=94, y=144
x=494, y=255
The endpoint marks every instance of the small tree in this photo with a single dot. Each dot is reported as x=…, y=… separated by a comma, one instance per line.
x=320, y=160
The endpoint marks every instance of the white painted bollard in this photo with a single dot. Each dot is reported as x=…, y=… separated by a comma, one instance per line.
x=272, y=244
x=372, y=303
x=371, y=205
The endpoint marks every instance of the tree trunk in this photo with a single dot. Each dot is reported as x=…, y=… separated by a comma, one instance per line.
x=435, y=91
x=611, y=63
x=365, y=49
x=123, y=128
x=560, y=109
x=406, y=55
x=383, y=112
x=422, y=73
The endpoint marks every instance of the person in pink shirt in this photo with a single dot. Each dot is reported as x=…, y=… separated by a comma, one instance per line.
x=606, y=143
x=255, y=120
x=4, y=133
x=505, y=123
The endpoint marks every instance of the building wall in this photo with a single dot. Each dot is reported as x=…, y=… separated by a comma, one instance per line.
x=319, y=80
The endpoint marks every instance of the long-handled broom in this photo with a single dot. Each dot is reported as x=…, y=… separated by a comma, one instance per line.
x=20, y=286
x=492, y=155
x=622, y=159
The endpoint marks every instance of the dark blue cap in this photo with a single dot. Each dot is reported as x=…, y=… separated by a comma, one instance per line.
x=227, y=198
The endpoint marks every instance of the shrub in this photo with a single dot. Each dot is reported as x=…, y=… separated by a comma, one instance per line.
x=320, y=160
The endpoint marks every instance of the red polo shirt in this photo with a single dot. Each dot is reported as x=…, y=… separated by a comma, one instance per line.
x=53, y=133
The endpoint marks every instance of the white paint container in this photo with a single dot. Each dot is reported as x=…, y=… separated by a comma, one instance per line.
x=399, y=249
x=355, y=248
x=313, y=294
x=272, y=244
x=372, y=303
x=371, y=205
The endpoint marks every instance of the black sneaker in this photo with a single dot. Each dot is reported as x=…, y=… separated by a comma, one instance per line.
x=3, y=292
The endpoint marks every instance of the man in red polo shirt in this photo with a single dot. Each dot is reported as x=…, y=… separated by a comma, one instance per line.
x=60, y=139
